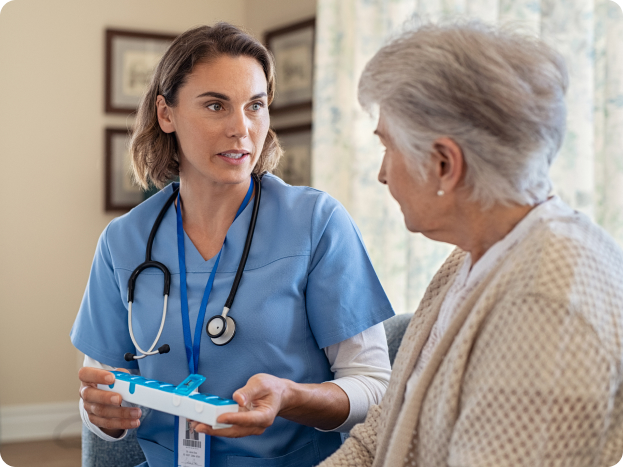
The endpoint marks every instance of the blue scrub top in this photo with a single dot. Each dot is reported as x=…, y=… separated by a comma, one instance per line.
x=308, y=283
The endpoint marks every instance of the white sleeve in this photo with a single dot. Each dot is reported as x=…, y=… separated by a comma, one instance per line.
x=88, y=361
x=361, y=368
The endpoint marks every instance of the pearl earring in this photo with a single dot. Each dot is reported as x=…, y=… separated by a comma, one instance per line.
x=441, y=193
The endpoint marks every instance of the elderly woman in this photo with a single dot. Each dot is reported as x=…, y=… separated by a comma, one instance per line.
x=514, y=356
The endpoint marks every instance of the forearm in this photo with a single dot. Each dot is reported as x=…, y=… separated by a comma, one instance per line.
x=361, y=368
x=359, y=364
x=325, y=406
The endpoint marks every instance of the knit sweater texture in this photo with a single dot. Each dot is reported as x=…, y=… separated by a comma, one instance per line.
x=529, y=372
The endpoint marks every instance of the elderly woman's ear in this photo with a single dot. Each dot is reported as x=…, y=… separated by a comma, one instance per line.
x=449, y=165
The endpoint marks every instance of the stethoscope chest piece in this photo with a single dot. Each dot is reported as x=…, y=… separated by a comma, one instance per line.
x=221, y=329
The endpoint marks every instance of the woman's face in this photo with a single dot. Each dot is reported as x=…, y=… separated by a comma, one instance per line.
x=416, y=197
x=221, y=120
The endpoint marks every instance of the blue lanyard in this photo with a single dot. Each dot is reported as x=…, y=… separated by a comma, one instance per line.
x=193, y=346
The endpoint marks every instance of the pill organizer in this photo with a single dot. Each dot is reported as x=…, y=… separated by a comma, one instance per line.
x=182, y=400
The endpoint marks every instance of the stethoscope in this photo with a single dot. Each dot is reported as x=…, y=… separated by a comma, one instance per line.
x=221, y=328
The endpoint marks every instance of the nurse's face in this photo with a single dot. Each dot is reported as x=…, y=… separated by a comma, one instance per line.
x=220, y=121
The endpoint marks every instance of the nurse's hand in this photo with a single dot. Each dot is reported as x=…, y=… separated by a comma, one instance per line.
x=264, y=397
x=260, y=401
x=104, y=407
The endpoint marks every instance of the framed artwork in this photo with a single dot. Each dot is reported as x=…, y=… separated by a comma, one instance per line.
x=295, y=165
x=131, y=58
x=122, y=194
x=293, y=48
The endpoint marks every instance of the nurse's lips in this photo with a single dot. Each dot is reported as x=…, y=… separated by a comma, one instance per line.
x=235, y=156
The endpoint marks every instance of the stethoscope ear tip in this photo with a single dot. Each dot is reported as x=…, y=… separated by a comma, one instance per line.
x=129, y=357
x=164, y=348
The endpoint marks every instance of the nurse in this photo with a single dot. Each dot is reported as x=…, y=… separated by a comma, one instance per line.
x=309, y=354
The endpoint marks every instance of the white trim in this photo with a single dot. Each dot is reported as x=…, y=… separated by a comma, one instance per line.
x=39, y=421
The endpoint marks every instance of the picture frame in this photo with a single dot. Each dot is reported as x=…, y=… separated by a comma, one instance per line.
x=121, y=193
x=295, y=165
x=293, y=49
x=131, y=57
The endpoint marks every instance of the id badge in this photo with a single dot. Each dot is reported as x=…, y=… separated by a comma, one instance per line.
x=190, y=447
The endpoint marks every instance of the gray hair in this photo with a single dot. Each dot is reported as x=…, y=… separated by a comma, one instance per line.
x=497, y=93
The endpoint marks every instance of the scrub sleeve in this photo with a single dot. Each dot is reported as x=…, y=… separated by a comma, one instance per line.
x=344, y=294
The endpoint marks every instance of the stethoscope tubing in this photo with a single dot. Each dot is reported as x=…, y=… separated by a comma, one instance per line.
x=151, y=350
x=154, y=229
x=247, y=243
x=148, y=263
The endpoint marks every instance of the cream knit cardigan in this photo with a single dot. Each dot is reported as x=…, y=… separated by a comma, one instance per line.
x=529, y=372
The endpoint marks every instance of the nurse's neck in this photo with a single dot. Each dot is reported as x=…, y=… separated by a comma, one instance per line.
x=208, y=209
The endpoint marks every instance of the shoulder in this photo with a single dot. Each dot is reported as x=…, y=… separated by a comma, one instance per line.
x=297, y=199
x=301, y=208
x=568, y=252
x=572, y=265
x=145, y=211
x=130, y=231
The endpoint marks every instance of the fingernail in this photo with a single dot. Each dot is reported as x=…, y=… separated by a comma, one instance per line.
x=135, y=423
x=135, y=413
x=116, y=399
x=109, y=378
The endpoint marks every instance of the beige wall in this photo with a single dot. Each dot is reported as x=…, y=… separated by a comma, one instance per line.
x=261, y=15
x=51, y=154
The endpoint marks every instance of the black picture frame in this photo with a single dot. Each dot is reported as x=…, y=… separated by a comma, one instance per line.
x=130, y=58
x=293, y=49
x=295, y=167
x=121, y=193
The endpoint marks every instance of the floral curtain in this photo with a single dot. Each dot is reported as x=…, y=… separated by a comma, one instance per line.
x=346, y=156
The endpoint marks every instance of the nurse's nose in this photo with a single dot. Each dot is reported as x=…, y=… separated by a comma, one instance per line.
x=238, y=125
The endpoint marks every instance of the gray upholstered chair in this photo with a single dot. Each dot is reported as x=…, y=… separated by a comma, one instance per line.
x=395, y=328
x=127, y=453
x=99, y=453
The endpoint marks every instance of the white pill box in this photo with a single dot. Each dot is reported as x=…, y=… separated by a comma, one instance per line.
x=182, y=400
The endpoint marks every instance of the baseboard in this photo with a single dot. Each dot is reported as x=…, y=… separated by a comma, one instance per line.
x=39, y=421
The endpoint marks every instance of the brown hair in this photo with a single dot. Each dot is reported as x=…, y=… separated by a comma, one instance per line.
x=154, y=153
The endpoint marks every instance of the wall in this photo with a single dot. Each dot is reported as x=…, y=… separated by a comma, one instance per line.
x=263, y=15
x=51, y=152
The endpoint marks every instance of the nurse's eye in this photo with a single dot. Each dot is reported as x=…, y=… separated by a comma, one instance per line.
x=257, y=106
x=215, y=106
